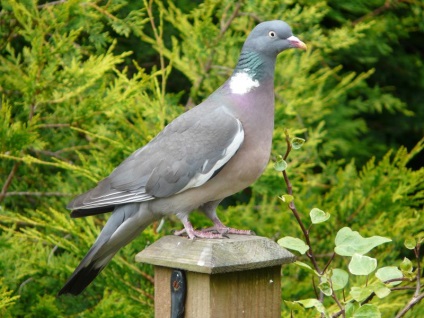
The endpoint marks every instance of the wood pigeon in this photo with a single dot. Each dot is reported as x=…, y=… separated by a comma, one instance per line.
x=210, y=152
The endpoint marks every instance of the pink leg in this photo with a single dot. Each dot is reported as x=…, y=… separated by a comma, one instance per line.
x=210, y=210
x=222, y=229
x=192, y=233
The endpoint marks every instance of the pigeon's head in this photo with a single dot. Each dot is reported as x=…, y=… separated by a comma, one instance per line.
x=271, y=38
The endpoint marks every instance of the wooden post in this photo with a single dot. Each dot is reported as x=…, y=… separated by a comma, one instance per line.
x=235, y=277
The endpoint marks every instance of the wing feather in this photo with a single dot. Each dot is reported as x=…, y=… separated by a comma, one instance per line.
x=186, y=154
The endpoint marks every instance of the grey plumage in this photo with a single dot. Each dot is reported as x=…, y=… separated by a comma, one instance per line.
x=212, y=151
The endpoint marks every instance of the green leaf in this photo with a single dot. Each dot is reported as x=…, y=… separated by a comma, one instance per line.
x=306, y=266
x=380, y=289
x=313, y=303
x=367, y=311
x=293, y=243
x=410, y=243
x=349, y=242
x=362, y=265
x=407, y=269
x=339, y=278
x=297, y=142
x=318, y=216
x=360, y=293
x=325, y=287
x=350, y=308
x=292, y=305
x=287, y=198
x=280, y=165
x=406, y=265
x=389, y=272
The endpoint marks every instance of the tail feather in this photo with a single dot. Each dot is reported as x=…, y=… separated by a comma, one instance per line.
x=125, y=224
x=80, y=279
x=94, y=211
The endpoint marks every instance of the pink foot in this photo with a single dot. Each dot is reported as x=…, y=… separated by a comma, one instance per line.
x=199, y=234
x=228, y=230
x=218, y=231
x=192, y=233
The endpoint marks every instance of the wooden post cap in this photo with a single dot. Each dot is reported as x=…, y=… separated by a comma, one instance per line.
x=225, y=278
x=214, y=256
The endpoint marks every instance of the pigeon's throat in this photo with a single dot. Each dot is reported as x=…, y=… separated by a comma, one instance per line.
x=242, y=82
x=250, y=72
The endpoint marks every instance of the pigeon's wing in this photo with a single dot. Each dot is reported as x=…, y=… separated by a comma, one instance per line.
x=186, y=154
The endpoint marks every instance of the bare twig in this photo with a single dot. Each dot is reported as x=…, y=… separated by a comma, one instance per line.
x=329, y=262
x=417, y=256
x=292, y=207
x=377, y=11
x=49, y=4
x=417, y=295
x=415, y=300
x=334, y=296
x=53, y=125
x=8, y=181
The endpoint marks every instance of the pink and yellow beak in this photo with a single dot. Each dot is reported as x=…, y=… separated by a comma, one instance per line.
x=296, y=43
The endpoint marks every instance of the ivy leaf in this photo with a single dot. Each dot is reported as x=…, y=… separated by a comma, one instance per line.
x=349, y=242
x=325, y=287
x=293, y=243
x=360, y=293
x=380, y=289
x=410, y=243
x=318, y=216
x=362, y=265
x=313, y=303
x=292, y=305
x=406, y=265
x=339, y=278
x=367, y=311
x=389, y=272
x=287, y=198
x=307, y=267
x=297, y=142
x=407, y=268
x=350, y=308
x=280, y=165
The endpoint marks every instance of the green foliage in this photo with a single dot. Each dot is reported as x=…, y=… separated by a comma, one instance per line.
x=85, y=83
x=351, y=295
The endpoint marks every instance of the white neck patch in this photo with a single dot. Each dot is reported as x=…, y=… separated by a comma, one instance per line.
x=242, y=83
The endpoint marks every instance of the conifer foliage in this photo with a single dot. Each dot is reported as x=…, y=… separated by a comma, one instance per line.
x=85, y=83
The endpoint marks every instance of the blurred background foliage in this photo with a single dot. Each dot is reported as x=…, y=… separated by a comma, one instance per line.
x=85, y=83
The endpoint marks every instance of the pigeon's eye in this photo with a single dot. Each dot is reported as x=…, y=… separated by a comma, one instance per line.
x=271, y=34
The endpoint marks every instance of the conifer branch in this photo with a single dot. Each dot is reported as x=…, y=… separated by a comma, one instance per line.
x=224, y=26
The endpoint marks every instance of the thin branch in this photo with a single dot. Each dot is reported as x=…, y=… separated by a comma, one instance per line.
x=417, y=296
x=417, y=256
x=415, y=300
x=342, y=311
x=53, y=3
x=53, y=125
x=377, y=11
x=315, y=287
x=402, y=288
x=329, y=262
x=8, y=181
x=296, y=214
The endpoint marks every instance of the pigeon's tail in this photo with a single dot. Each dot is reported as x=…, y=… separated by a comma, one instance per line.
x=125, y=224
